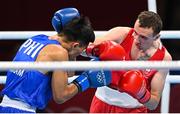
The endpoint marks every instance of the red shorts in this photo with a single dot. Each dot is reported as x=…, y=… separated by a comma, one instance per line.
x=98, y=106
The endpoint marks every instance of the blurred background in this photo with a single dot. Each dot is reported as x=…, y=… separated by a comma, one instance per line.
x=35, y=15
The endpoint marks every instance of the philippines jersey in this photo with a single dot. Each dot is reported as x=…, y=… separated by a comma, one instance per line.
x=122, y=99
x=30, y=86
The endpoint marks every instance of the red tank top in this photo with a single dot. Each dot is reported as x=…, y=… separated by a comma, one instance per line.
x=158, y=56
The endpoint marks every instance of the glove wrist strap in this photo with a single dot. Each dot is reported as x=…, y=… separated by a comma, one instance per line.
x=146, y=97
x=78, y=86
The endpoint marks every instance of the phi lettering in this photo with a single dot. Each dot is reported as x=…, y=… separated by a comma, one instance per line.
x=31, y=47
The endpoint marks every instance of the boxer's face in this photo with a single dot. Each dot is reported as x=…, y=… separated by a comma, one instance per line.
x=76, y=49
x=144, y=37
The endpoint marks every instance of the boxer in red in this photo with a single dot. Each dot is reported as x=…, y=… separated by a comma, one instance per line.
x=135, y=90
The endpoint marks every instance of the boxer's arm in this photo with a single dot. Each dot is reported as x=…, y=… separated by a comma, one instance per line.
x=71, y=73
x=61, y=90
x=116, y=34
x=157, y=85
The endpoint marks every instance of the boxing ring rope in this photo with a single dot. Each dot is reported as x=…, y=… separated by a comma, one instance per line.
x=22, y=35
x=90, y=65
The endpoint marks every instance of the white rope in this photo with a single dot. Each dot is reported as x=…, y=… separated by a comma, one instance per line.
x=170, y=34
x=173, y=79
x=2, y=79
x=22, y=35
x=93, y=65
x=170, y=79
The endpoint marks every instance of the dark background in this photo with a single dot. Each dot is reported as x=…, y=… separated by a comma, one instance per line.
x=35, y=15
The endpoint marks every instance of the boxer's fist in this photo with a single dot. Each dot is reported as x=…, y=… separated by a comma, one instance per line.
x=133, y=83
x=92, y=79
x=62, y=17
x=106, y=50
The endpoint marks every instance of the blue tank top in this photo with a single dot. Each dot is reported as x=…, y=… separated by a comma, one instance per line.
x=30, y=86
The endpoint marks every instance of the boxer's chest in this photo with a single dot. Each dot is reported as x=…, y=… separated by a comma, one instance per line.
x=136, y=54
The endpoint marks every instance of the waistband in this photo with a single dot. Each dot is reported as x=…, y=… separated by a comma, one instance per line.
x=116, y=98
x=7, y=102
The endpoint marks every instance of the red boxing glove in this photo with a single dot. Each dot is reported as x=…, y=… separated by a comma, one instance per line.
x=116, y=77
x=89, y=50
x=133, y=83
x=107, y=50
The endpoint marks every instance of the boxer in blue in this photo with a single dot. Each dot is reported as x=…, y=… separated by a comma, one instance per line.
x=28, y=90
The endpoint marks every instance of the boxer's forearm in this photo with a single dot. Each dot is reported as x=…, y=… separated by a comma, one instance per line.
x=153, y=102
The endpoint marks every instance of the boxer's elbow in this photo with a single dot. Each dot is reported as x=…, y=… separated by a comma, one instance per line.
x=59, y=99
x=63, y=96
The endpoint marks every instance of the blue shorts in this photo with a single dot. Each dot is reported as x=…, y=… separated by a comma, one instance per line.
x=12, y=110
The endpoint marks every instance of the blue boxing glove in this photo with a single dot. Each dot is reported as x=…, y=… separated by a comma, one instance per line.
x=92, y=79
x=62, y=17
